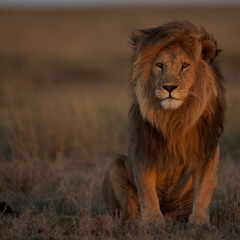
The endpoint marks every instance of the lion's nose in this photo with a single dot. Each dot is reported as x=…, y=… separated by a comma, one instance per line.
x=169, y=88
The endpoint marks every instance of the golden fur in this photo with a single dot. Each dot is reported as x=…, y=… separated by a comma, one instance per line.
x=176, y=118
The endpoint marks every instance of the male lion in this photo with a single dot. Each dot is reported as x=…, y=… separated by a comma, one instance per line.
x=176, y=118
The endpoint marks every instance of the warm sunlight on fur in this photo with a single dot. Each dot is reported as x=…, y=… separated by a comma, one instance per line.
x=173, y=72
x=176, y=118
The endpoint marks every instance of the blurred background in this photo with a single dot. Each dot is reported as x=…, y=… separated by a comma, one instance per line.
x=64, y=70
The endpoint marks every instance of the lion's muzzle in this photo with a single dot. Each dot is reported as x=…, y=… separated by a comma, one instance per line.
x=168, y=96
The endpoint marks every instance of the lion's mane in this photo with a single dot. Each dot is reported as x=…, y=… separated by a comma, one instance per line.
x=187, y=135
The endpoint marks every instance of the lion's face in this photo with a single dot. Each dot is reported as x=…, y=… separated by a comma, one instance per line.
x=173, y=74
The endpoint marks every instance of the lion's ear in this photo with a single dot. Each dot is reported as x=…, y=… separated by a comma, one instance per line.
x=209, y=50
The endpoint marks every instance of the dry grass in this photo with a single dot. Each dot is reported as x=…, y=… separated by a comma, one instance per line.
x=64, y=103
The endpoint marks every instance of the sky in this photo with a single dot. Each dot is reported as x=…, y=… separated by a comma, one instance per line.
x=108, y=2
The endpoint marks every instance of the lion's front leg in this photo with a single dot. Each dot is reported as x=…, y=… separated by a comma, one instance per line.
x=148, y=199
x=205, y=182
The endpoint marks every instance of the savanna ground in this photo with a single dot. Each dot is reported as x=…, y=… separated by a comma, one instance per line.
x=63, y=111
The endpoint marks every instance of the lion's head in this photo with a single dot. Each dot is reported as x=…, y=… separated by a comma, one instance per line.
x=174, y=73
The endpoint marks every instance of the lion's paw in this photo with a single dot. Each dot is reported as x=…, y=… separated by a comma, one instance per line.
x=156, y=221
x=197, y=219
x=201, y=231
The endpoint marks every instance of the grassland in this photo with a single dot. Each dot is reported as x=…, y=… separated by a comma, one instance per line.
x=63, y=111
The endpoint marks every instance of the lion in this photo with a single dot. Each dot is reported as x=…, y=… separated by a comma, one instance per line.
x=176, y=118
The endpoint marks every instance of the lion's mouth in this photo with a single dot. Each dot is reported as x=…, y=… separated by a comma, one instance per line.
x=168, y=100
x=171, y=97
x=171, y=103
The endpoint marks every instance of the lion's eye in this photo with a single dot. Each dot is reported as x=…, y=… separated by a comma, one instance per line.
x=184, y=65
x=159, y=65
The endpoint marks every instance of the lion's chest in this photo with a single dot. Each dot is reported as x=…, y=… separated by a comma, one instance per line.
x=172, y=185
